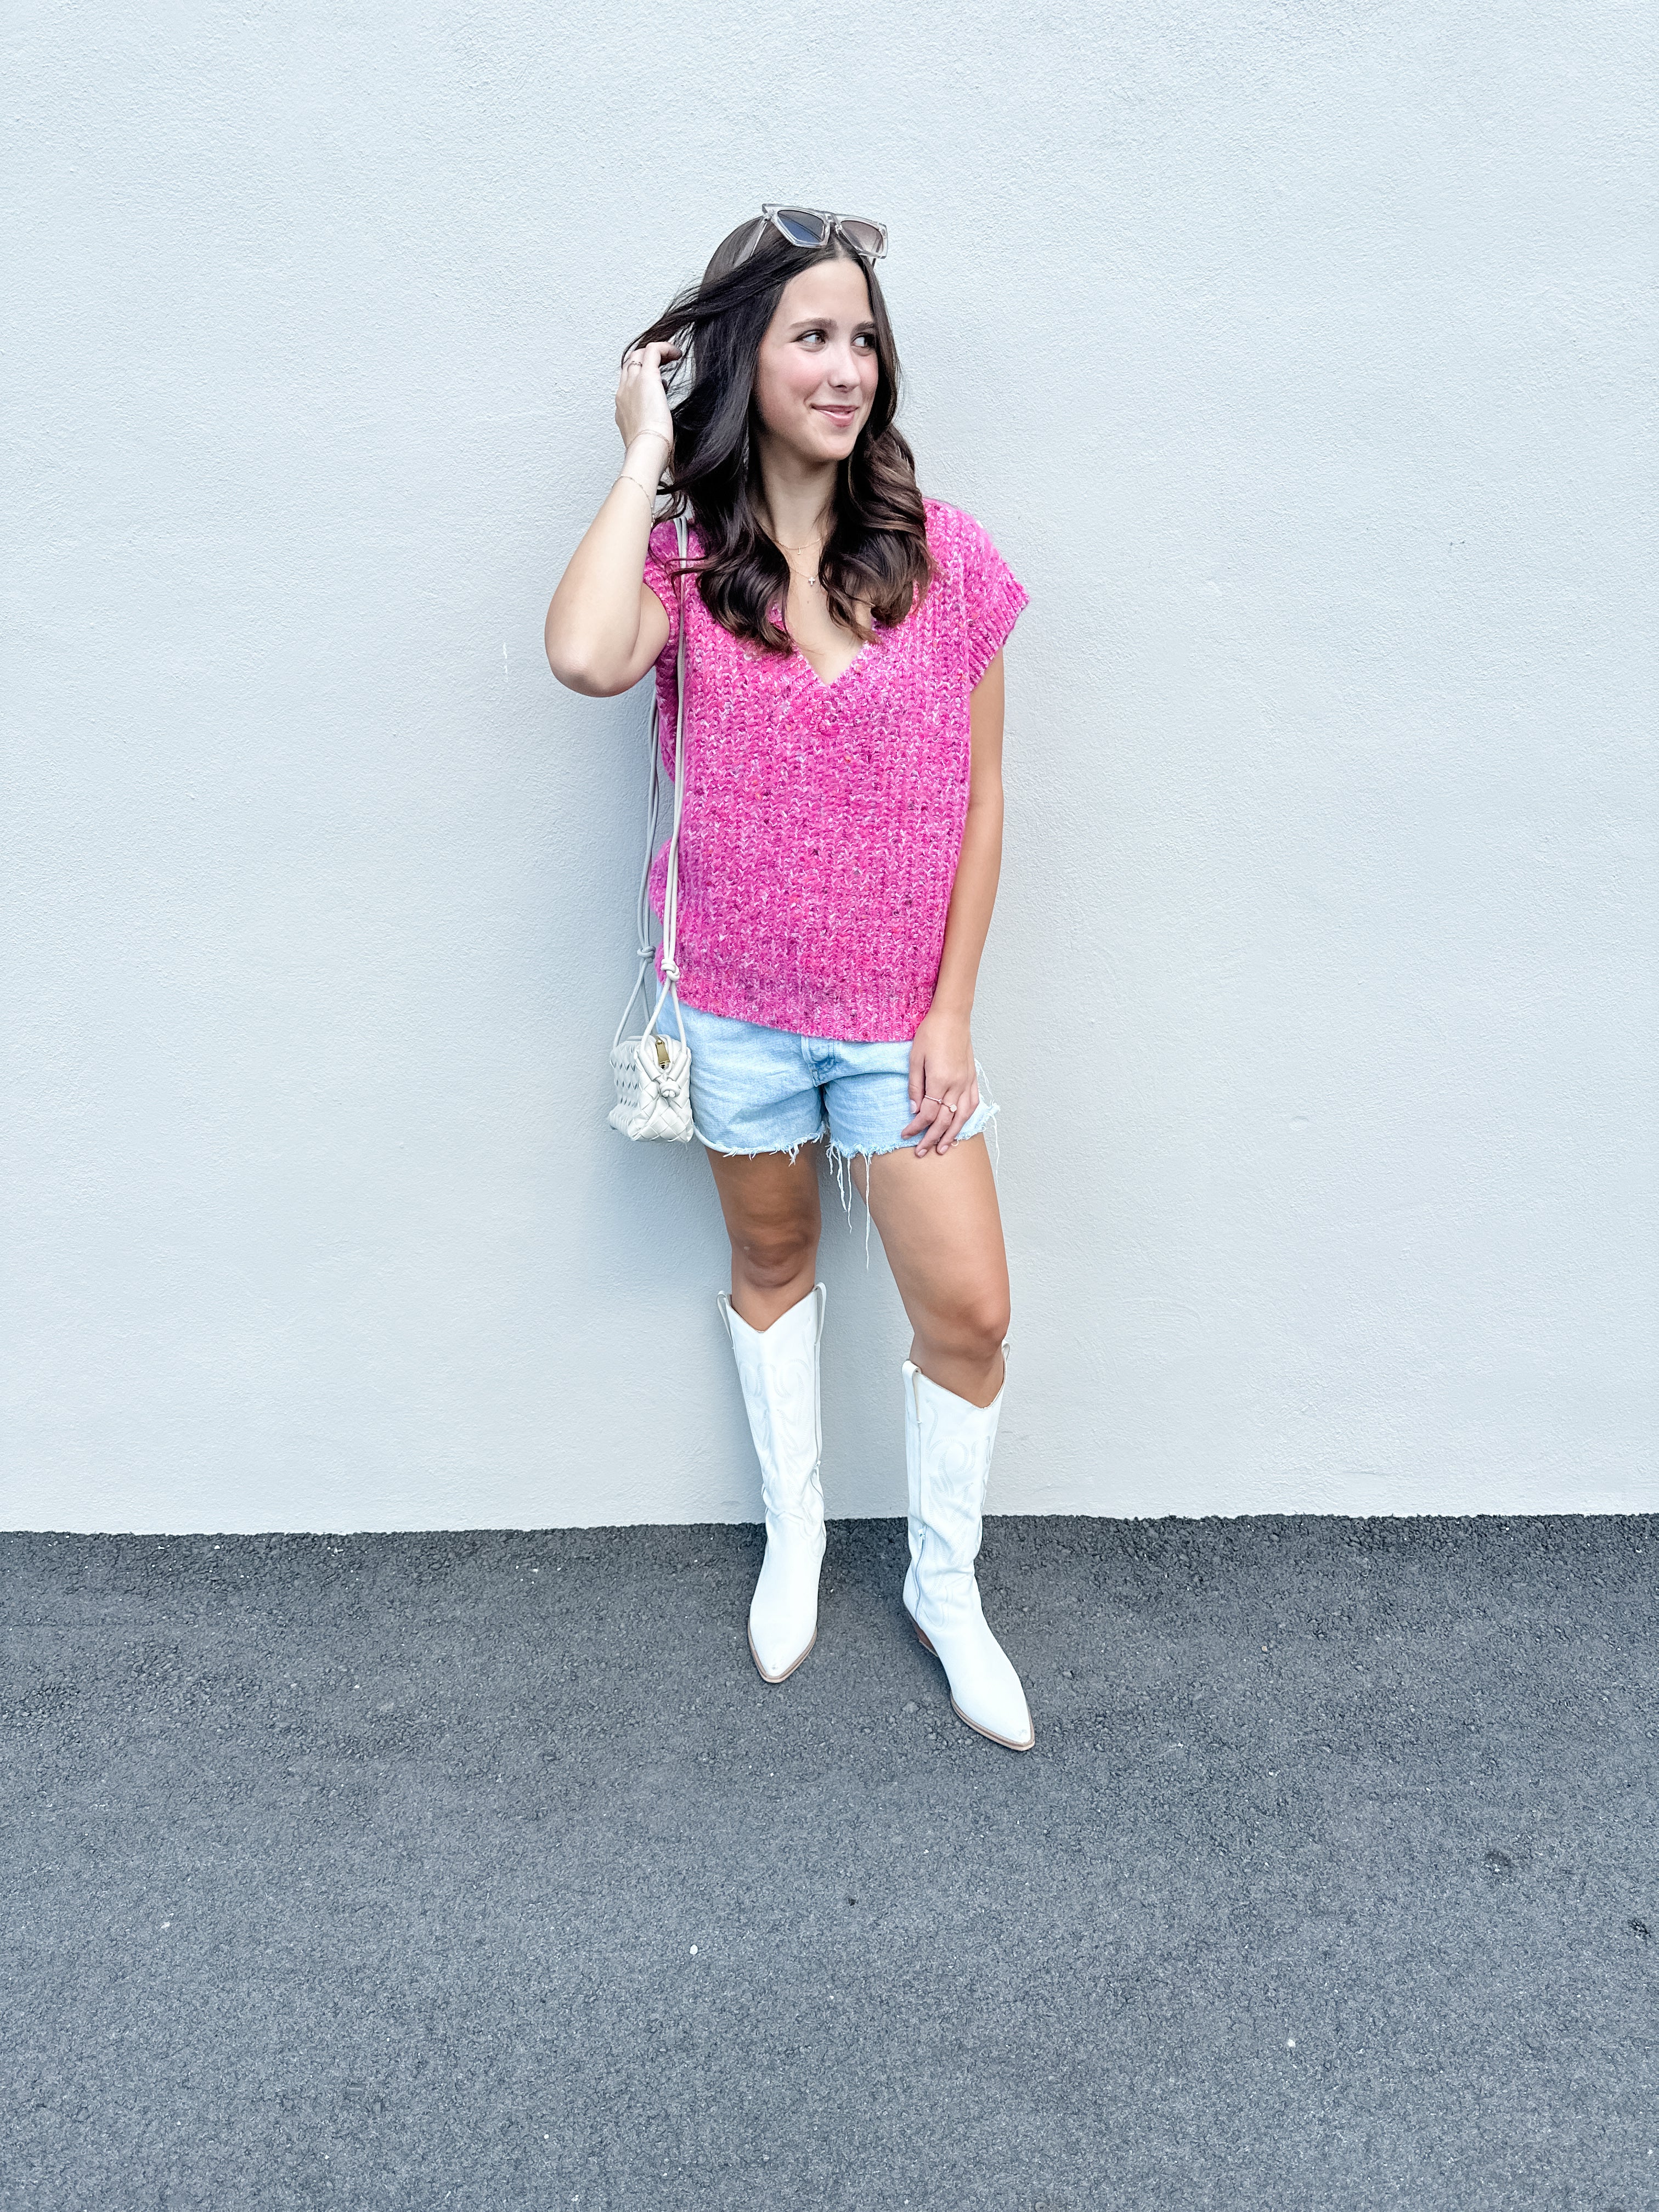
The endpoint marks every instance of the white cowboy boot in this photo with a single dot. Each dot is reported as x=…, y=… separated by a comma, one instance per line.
x=947, y=1451
x=778, y=1368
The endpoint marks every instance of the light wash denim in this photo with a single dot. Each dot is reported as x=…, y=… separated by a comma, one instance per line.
x=759, y=1090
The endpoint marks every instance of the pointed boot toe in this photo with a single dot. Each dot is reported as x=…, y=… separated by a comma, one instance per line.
x=998, y=1707
x=783, y=1614
x=985, y=1689
x=774, y=1661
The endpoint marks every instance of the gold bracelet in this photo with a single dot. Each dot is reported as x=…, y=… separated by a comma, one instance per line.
x=625, y=479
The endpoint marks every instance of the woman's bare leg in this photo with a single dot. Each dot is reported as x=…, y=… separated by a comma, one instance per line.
x=942, y=1233
x=774, y=1219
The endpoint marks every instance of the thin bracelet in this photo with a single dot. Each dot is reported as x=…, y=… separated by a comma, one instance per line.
x=625, y=479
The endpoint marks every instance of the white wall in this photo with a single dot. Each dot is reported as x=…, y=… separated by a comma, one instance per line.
x=1292, y=354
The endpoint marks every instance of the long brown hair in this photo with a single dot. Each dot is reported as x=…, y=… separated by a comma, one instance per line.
x=877, y=549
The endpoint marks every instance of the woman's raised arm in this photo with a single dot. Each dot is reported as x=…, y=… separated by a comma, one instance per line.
x=606, y=625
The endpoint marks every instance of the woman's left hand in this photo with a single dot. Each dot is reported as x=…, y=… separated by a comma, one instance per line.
x=944, y=1084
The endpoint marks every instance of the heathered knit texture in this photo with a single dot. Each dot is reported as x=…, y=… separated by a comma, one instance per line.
x=822, y=823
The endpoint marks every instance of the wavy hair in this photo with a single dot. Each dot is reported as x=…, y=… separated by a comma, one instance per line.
x=877, y=549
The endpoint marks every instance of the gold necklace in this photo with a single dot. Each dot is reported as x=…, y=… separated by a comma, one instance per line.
x=812, y=582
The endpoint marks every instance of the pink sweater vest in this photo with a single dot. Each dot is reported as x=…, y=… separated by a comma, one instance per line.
x=822, y=823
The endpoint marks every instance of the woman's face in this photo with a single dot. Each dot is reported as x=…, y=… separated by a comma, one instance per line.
x=816, y=375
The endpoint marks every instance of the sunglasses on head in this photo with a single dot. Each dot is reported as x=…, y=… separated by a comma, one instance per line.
x=812, y=225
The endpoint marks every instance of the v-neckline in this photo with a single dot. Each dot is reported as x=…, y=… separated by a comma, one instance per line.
x=819, y=682
x=828, y=684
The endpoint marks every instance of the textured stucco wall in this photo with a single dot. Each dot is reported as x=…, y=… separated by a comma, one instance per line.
x=1292, y=353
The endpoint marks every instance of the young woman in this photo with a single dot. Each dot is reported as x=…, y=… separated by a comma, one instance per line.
x=839, y=843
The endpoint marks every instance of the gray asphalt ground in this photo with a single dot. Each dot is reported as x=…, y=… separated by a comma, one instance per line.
x=482, y=1870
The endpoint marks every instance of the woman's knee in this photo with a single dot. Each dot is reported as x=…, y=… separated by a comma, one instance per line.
x=971, y=1324
x=771, y=1254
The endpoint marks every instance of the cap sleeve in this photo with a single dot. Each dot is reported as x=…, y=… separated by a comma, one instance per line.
x=662, y=555
x=991, y=595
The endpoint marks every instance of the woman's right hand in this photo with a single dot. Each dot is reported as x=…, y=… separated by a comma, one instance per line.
x=641, y=403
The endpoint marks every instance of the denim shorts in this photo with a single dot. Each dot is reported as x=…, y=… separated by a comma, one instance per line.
x=759, y=1090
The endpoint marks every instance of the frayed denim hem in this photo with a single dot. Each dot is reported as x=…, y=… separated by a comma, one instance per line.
x=841, y=1161
x=754, y=1151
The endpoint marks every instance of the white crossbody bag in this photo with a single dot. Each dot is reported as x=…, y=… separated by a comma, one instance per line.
x=652, y=1071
